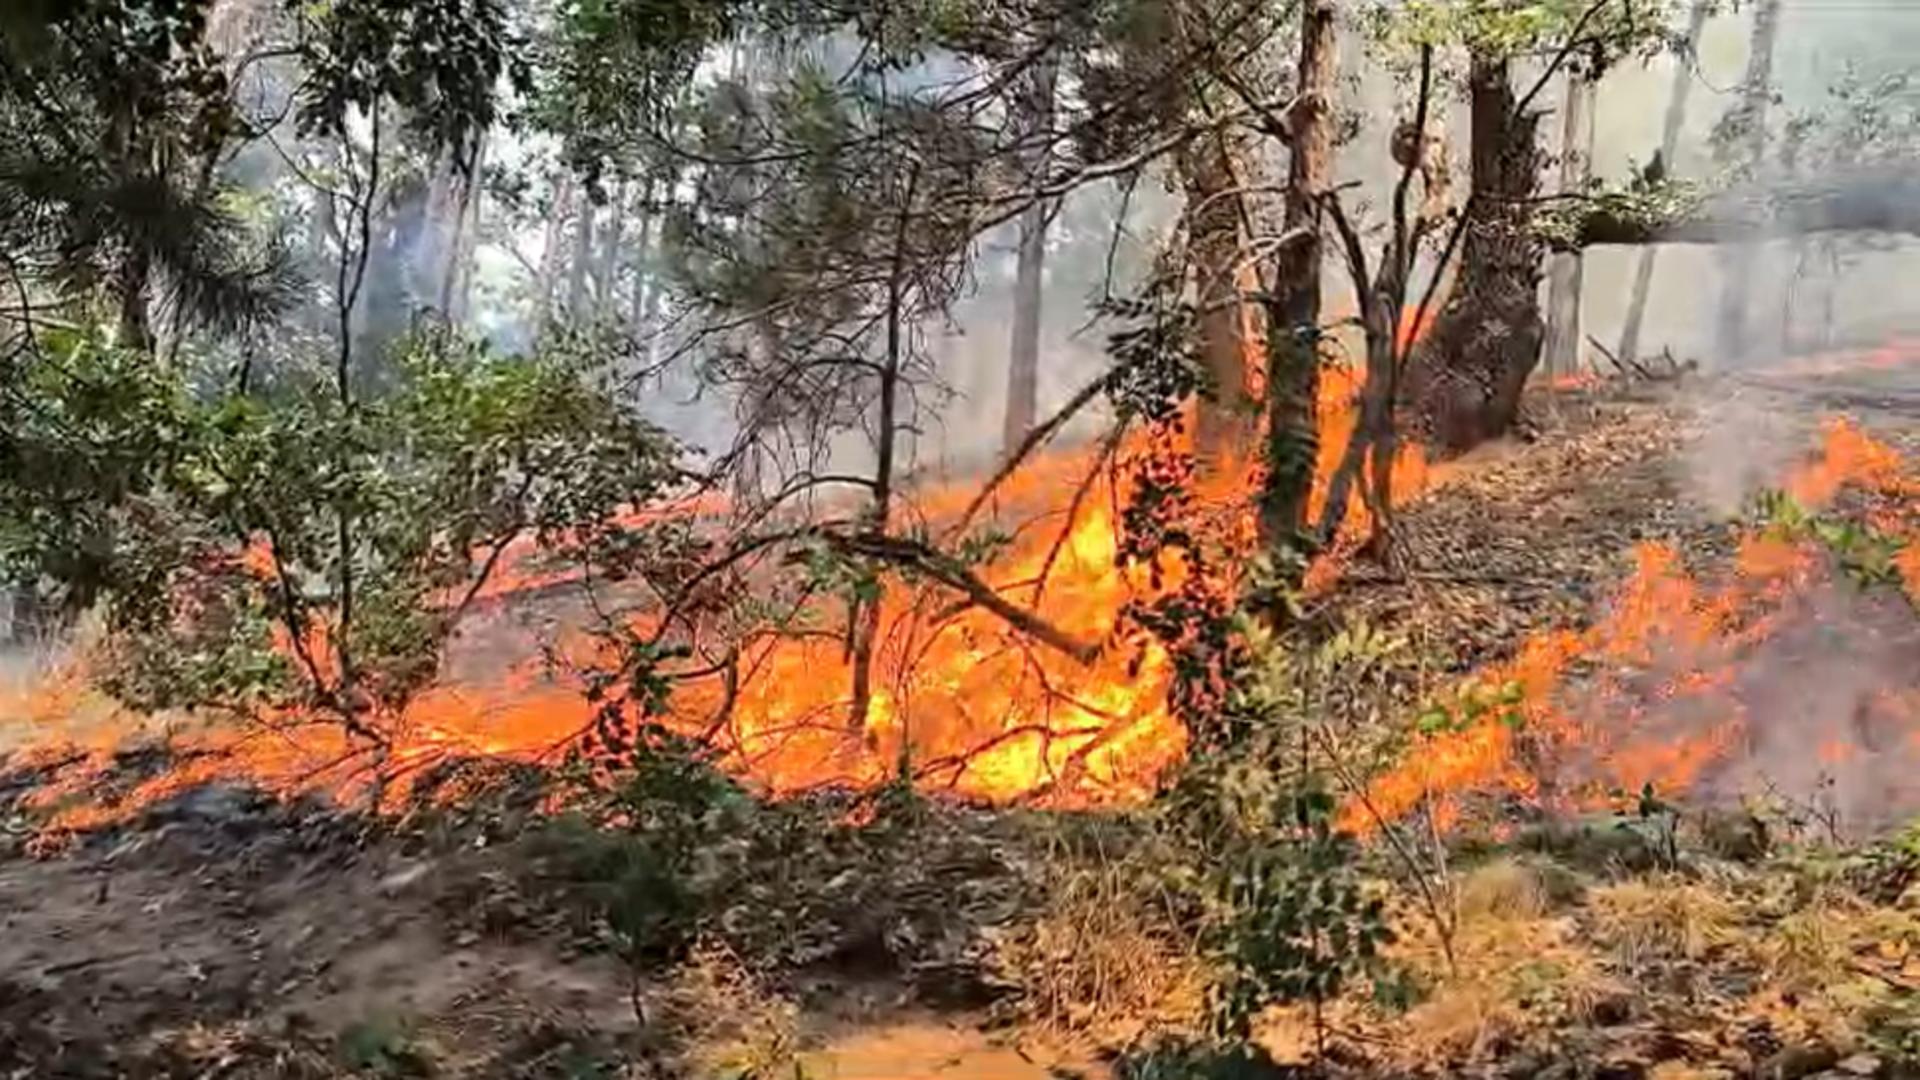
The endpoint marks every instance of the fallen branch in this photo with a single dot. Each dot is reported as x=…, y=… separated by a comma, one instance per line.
x=949, y=572
x=1620, y=364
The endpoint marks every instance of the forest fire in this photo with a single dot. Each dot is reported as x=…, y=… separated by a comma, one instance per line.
x=1711, y=686
x=977, y=709
x=971, y=706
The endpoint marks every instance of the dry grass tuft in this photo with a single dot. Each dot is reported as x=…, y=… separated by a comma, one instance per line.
x=1503, y=888
x=724, y=1022
x=1515, y=969
x=1100, y=961
x=1658, y=918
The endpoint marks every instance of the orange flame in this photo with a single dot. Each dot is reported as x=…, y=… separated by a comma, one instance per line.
x=1662, y=618
x=981, y=711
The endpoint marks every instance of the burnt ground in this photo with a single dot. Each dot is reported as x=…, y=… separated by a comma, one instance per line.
x=223, y=934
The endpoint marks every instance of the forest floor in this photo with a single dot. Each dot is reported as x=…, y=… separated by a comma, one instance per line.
x=222, y=933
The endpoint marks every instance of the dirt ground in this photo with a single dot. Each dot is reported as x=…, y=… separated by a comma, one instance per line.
x=223, y=935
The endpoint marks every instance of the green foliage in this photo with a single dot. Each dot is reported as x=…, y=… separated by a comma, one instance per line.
x=382, y=1047
x=1640, y=207
x=1301, y=922
x=1197, y=1060
x=1285, y=910
x=1473, y=702
x=1868, y=118
x=439, y=61
x=116, y=114
x=1864, y=553
x=203, y=522
x=89, y=430
x=1608, y=31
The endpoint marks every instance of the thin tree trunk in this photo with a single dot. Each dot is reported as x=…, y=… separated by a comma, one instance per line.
x=582, y=262
x=1669, y=145
x=1210, y=174
x=463, y=290
x=1755, y=93
x=1293, y=326
x=865, y=617
x=550, y=251
x=610, y=246
x=460, y=247
x=636, y=318
x=1023, y=355
x=1565, y=276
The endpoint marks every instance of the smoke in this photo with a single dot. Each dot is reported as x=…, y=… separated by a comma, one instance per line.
x=1776, y=674
x=1820, y=715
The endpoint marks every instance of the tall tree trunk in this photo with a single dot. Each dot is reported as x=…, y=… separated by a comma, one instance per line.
x=1023, y=354
x=550, y=251
x=1755, y=93
x=1486, y=341
x=433, y=236
x=466, y=223
x=1567, y=272
x=582, y=262
x=1210, y=172
x=610, y=247
x=641, y=261
x=1293, y=324
x=1669, y=145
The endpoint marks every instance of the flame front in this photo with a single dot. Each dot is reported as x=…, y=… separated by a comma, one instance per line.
x=1661, y=700
x=972, y=706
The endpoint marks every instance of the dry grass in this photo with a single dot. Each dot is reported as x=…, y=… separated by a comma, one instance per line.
x=1661, y=918
x=1098, y=962
x=1517, y=967
x=724, y=1022
x=1837, y=967
x=1681, y=1070
x=1503, y=888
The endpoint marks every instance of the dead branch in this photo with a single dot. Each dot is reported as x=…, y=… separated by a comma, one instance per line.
x=1034, y=440
x=949, y=572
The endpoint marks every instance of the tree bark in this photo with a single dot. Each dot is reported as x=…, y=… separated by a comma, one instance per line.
x=460, y=245
x=1567, y=272
x=1486, y=341
x=582, y=262
x=550, y=251
x=1669, y=144
x=1293, y=324
x=1023, y=354
x=636, y=317
x=1755, y=93
x=610, y=246
x=1210, y=170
